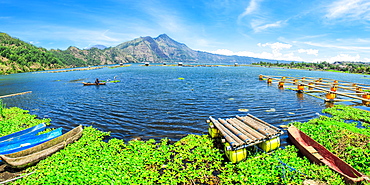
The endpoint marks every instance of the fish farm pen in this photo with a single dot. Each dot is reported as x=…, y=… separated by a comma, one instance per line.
x=330, y=90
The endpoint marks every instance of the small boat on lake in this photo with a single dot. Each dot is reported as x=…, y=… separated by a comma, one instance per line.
x=320, y=155
x=35, y=154
x=29, y=132
x=101, y=83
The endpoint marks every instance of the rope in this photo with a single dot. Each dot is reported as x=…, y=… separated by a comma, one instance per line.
x=10, y=180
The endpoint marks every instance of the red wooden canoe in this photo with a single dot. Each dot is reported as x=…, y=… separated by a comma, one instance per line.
x=101, y=83
x=320, y=155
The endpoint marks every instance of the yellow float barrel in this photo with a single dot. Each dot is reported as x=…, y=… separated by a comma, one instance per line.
x=235, y=156
x=270, y=145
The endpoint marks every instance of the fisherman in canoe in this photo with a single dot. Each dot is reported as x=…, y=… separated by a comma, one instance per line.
x=97, y=81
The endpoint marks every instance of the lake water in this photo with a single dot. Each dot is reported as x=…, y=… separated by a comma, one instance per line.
x=162, y=101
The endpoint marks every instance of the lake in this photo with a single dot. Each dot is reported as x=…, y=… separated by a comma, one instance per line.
x=162, y=101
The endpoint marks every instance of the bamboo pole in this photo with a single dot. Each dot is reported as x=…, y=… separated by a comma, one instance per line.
x=260, y=128
x=312, y=91
x=237, y=132
x=249, y=119
x=16, y=94
x=338, y=100
x=249, y=129
x=264, y=122
x=342, y=94
x=326, y=84
x=225, y=132
x=241, y=129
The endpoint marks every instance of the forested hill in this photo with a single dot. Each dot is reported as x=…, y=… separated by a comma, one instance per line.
x=18, y=56
x=154, y=50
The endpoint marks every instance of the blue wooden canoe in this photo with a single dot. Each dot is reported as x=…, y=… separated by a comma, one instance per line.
x=23, y=133
x=30, y=142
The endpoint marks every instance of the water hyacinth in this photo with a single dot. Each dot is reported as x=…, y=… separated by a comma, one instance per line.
x=195, y=159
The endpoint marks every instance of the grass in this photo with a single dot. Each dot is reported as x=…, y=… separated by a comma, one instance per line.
x=195, y=159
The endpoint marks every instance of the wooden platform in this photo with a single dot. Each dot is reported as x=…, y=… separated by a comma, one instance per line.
x=242, y=132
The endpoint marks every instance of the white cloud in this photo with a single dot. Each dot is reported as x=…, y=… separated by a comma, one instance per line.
x=337, y=46
x=309, y=51
x=253, y=6
x=275, y=54
x=259, y=28
x=276, y=47
x=349, y=9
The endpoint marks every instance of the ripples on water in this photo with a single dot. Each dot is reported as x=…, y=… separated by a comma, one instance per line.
x=157, y=102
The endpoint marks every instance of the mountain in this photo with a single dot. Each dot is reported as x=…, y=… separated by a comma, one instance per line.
x=18, y=56
x=97, y=46
x=154, y=50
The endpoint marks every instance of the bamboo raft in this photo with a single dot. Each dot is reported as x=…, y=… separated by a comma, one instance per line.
x=16, y=94
x=349, y=91
x=243, y=132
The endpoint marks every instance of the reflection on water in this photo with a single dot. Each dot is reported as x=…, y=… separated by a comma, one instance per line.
x=156, y=102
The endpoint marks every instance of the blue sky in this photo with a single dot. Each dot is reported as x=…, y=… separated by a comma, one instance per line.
x=299, y=30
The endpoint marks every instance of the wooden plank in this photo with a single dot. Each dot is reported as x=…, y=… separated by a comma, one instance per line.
x=16, y=94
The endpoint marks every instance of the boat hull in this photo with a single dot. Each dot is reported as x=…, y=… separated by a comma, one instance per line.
x=86, y=84
x=320, y=155
x=29, y=132
x=29, y=142
x=33, y=155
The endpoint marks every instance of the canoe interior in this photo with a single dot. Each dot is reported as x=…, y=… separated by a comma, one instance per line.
x=319, y=154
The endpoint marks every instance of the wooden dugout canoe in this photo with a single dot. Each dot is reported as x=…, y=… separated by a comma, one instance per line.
x=102, y=83
x=320, y=155
x=35, y=154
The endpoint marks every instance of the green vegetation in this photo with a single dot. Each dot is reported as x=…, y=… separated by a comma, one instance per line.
x=2, y=107
x=347, y=67
x=18, y=56
x=15, y=119
x=195, y=159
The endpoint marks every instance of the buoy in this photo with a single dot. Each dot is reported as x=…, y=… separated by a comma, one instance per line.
x=333, y=88
x=330, y=96
x=310, y=88
x=269, y=80
x=281, y=84
x=270, y=145
x=366, y=96
x=213, y=131
x=300, y=87
x=235, y=156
